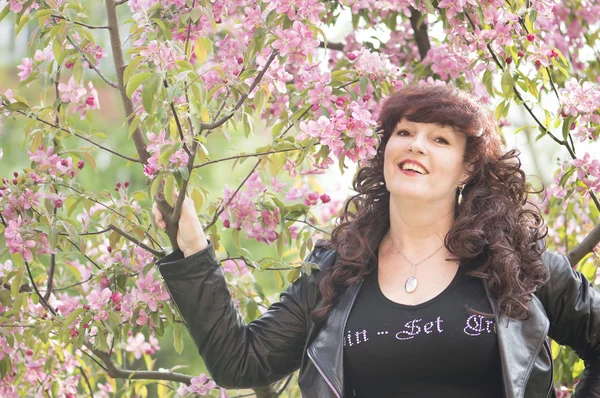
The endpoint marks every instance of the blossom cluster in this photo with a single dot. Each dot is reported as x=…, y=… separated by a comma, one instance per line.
x=178, y=159
x=356, y=126
x=583, y=101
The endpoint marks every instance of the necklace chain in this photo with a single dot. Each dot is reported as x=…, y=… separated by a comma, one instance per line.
x=411, y=282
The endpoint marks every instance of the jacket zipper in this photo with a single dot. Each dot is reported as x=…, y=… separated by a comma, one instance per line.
x=323, y=375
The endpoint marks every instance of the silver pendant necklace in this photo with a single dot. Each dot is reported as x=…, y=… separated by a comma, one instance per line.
x=411, y=283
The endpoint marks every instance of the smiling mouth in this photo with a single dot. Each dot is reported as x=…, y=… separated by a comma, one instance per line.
x=412, y=168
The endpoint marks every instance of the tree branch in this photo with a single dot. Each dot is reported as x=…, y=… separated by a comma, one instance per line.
x=115, y=43
x=156, y=253
x=79, y=136
x=584, y=247
x=92, y=64
x=214, y=125
x=421, y=33
x=117, y=373
x=332, y=46
x=79, y=23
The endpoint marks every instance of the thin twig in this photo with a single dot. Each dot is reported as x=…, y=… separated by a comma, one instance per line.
x=74, y=284
x=92, y=64
x=42, y=299
x=310, y=225
x=156, y=253
x=249, y=155
x=214, y=125
x=223, y=207
x=78, y=135
x=80, y=23
x=87, y=381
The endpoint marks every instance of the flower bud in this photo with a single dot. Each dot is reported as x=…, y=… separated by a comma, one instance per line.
x=351, y=56
x=530, y=37
x=58, y=203
x=508, y=60
x=520, y=53
x=116, y=297
x=80, y=164
x=325, y=198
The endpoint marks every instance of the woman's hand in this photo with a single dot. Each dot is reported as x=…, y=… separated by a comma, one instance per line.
x=190, y=235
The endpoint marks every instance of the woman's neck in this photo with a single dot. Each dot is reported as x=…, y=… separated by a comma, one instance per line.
x=418, y=229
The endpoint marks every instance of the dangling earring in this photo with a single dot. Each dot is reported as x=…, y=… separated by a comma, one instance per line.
x=460, y=190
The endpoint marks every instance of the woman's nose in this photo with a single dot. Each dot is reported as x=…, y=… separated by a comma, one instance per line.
x=417, y=145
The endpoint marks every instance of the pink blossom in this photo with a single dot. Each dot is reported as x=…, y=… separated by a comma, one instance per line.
x=91, y=102
x=287, y=41
x=71, y=92
x=138, y=345
x=151, y=291
x=201, y=385
x=97, y=298
x=26, y=67
x=17, y=5
x=235, y=267
x=44, y=55
x=321, y=95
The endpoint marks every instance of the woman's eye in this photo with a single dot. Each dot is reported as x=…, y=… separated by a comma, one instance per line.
x=402, y=133
x=442, y=140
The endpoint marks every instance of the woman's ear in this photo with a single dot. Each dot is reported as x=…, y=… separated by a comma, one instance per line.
x=467, y=170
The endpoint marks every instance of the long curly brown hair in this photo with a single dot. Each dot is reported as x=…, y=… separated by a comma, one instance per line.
x=497, y=231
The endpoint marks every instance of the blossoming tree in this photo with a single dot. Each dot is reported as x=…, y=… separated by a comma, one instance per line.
x=80, y=297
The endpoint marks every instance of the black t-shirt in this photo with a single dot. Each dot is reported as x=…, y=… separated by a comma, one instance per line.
x=434, y=349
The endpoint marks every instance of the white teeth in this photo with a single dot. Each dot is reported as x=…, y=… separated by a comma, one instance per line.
x=413, y=167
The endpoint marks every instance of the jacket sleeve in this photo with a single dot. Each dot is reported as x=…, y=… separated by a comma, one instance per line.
x=572, y=304
x=237, y=355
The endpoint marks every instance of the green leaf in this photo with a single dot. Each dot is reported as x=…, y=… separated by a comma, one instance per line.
x=131, y=68
x=170, y=189
x=279, y=282
x=177, y=338
x=16, y=106
x=293, y=274
x=567, y=126
x=16, y=283
x=71, y=317
x=567, y=174
x=235, y=237
x=4, y=12
x=135, y=81
x=507, y=84
x=148, y=92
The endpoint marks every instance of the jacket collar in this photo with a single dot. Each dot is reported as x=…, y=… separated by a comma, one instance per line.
x=519, y=342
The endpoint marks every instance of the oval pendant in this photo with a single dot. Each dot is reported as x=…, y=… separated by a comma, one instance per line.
x=411, y=284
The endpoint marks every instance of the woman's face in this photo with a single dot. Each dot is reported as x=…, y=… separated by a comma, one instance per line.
x=424, y=161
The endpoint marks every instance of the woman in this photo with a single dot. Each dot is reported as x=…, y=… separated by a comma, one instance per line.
x=435, y=282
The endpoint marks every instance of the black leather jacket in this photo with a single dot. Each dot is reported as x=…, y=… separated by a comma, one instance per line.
x=566, y=308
